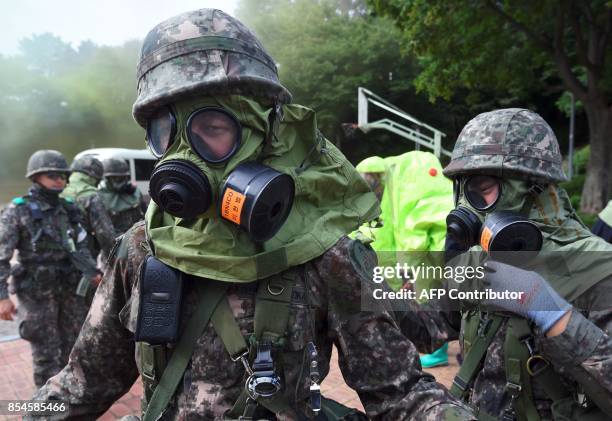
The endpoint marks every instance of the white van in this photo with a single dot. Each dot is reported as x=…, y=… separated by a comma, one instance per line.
x=141, y=163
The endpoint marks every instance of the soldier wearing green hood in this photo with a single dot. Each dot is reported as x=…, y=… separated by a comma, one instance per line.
x=87, y=172
x=234, y=290
x=123, y=201
x=545, y=350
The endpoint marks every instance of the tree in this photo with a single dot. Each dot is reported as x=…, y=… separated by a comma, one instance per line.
x=512, y=48
x=325, y=50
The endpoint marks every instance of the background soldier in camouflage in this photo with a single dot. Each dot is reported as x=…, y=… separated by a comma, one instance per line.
x=45, y=229
x=204, y=61
x=509, y=160
x=123, y=201
x=86, y=174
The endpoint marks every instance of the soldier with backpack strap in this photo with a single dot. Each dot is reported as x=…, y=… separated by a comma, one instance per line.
x=234, y=291
x=46, y=231
x=546, y=351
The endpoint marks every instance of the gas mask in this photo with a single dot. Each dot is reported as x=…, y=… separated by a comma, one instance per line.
x=493, y=213
x=210, y=167
x=120, y=184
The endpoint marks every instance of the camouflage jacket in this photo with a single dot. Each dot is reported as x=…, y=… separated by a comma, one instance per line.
x=375, y=358
x=18, y=227
x=96, y=219
x=581, y=355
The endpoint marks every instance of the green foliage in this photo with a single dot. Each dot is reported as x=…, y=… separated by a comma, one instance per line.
x=464, y=46
x=502, y=48
x=325, y=50
x=581, y=158
x=574, y=186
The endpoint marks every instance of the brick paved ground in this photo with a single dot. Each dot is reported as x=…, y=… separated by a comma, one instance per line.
x=16, y=373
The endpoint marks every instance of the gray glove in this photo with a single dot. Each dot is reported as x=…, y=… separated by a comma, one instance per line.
x=539, y=302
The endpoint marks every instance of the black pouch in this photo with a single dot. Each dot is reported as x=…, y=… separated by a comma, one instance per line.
x=161, y=292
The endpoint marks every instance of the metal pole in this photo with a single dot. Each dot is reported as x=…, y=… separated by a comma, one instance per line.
x=571, y=139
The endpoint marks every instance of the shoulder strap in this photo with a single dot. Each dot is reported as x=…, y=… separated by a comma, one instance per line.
x=37, y=214
x=272, y=305
x=518, y=381
x=471, y=364
x=210, y=293
x=72, y=210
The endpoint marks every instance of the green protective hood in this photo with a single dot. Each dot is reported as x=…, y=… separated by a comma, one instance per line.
x=372, y=164
x=331, y=200
x=572, y=259
x=415, y=202
x=606, y=214
x=117, y=202
x=577, y=259
x=80, y=185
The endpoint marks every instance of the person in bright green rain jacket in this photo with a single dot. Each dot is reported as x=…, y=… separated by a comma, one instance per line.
x=415, y=199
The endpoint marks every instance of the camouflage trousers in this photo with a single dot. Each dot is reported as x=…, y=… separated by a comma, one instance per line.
x=51, y=321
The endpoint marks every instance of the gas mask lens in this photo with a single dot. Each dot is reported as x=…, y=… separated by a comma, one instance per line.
x=214, y=134
x=160, y=132
x=482, y=191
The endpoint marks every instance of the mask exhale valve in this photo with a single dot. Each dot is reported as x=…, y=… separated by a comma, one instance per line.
x=180, y=188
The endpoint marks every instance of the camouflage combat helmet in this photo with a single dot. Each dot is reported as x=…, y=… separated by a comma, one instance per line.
x=512, y=142
x=203, y=52
x=46, y=160
x=89, y=165
x=115, y=167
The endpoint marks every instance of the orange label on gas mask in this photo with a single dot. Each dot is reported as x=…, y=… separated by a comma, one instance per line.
x=231, y=206
x=485, y=238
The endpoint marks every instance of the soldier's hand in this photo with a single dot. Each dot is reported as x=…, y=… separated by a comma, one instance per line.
x=537, y=301
x=7, y=309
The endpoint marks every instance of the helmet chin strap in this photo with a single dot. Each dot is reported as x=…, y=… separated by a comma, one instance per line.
x=532, y=194
x=273, y=121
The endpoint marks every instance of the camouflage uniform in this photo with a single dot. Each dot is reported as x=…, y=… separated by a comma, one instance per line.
x=44, y=279
x=207, y=52
x=87, y=172
x=375, y=359
x=519, y=144
x=124, y=202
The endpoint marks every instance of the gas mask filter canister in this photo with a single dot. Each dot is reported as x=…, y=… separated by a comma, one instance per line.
x=257, y=198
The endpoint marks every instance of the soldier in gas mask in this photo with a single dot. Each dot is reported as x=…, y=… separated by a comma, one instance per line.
x=241, y=278
x=123, y=201
x=46, y=230
x=546, y=354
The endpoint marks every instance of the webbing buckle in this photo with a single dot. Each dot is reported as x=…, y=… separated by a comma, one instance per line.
x=514, y=389
x=244, y=360
x=149, y=376
x=460, y=383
